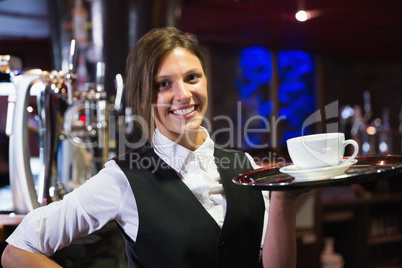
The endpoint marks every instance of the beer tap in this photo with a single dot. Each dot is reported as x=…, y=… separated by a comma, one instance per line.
x=21, y=179
x=57, y=102
x=72, y=66
x=95, y=99
x=119, y=93
x=53, y=93
x=101, y=108
x=52, y=105
x=114, y=116
x=11, y=96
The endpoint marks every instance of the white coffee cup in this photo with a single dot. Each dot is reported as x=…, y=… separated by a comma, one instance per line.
x=320, y=150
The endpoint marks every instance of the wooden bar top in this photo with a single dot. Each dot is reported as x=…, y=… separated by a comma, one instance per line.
x=11, y=219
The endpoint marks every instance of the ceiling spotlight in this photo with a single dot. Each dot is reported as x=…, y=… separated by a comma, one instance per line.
x=302, y=15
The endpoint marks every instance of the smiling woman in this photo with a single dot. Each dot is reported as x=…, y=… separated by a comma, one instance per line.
x=181, y=98
x=173, y=196
x=143, y=93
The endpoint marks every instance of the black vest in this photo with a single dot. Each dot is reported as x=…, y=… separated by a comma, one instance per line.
x=176, y=231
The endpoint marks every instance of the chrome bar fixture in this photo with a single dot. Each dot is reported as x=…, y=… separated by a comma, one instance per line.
x=21, y=179
x=52, y=92
x=51, y=95
x=71, y=125
x=94, y=98
x=101, y=106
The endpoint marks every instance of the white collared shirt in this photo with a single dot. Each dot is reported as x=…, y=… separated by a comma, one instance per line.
x=108, y=195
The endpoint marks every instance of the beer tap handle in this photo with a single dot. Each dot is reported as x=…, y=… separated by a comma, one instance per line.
x=101, y=103
x=119, y=92
x=21, y=178
x=72, y=65
x=100, y=76
x=10, y=114
x=12, y=97
x=72, y=59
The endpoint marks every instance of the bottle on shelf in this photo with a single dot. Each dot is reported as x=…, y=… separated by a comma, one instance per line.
x=385, y=142
x=329, y=258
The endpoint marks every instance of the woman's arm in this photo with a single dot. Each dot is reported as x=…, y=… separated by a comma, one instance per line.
x=279, y=249
x=15, y=257
x=85, y=210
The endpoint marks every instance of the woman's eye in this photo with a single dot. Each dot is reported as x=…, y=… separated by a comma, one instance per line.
x=162, y=85
x=193, y=77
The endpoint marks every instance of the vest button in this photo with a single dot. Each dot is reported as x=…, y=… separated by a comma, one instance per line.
x=223, y=245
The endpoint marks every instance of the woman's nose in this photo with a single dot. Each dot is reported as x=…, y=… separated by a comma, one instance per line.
x=182, y=92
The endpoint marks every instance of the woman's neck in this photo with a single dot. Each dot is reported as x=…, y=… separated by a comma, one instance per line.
x=190, y=140
x=193, y=140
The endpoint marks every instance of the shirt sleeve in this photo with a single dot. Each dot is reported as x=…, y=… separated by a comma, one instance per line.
x=83, y=211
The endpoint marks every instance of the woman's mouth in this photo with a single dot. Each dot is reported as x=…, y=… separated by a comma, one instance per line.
x=184, y=111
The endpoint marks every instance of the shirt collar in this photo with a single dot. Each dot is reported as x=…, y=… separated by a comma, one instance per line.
x=176, y=156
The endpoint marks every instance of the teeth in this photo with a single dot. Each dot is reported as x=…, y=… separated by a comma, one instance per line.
x=184, y=111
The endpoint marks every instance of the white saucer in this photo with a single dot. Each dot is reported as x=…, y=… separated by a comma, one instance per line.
x=318, y=173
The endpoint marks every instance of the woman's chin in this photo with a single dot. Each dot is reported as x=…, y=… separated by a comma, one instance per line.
x=193, y=127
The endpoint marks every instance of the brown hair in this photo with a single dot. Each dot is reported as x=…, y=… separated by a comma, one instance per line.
x=142, y=64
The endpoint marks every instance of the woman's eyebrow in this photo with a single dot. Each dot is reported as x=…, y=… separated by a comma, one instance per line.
x=164, y=76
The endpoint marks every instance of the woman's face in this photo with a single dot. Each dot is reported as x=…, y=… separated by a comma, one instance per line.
x=181, y=98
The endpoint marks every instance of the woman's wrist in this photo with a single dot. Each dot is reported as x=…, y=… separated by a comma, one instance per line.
x=286, y=200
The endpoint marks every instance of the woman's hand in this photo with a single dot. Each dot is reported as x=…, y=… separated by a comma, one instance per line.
x=280, y=240
x=289, y=196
